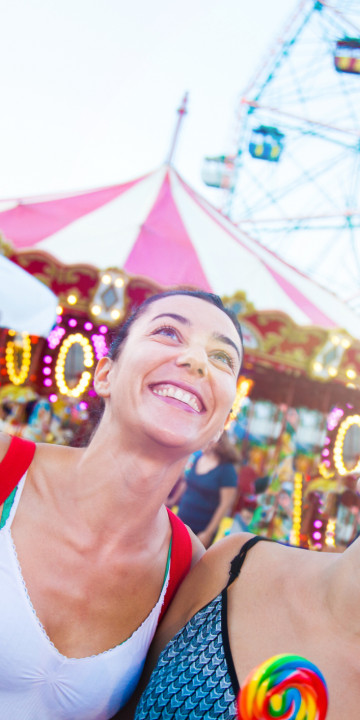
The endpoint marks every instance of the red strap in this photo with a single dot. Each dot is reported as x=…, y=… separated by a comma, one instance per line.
x=181, y=555
x=15, y=463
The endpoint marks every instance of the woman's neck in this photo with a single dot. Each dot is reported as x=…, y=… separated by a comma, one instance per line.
x=113, y=486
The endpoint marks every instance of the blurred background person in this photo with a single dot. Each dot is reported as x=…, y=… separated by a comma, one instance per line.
x=211, y=489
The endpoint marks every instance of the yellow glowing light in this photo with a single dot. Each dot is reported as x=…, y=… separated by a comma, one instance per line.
x=115, y=314
x=332, y=371
x=330, y=533
x=325, y=472
x=106, y=279
x=96, y=309
x=59, y=310
x=18, y=378
x=351, y=374
x=72, y=299
x=297, y=511
x=60, y=365
x=318, y=367
x=345, y=343
x=335, y=340
x=339, y=444
x=350, y=385
x=119, y=282
x=244, y=386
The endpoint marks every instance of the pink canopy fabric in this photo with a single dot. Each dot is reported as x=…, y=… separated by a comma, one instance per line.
x=158, y=227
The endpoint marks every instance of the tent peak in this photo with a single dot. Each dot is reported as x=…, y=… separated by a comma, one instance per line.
x=181, y=111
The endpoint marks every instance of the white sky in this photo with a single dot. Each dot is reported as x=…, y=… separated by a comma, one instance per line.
x=90, y=88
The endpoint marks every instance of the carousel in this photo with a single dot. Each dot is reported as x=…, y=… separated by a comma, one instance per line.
x=102, y=252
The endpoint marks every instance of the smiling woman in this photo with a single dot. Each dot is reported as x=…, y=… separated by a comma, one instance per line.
x=89, y=555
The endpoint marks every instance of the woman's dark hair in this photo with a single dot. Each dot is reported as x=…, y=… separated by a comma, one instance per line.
x=226, y=451
x=119, y=339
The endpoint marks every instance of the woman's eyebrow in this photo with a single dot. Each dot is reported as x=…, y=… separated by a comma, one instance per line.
x=225, y=339
x=174, y=316
x=185, y=321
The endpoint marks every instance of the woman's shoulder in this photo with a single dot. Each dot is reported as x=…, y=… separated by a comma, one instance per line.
x=44, y=451
x=214, y=566
x=207, y=578
x=204, y=582
x=229, y=469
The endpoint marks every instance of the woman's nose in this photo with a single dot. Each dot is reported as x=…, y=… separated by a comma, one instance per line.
x=195, y=359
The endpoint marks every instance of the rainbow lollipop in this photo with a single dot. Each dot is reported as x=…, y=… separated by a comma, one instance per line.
x=286, y=687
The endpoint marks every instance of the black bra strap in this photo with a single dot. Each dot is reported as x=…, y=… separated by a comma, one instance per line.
x=238, y=561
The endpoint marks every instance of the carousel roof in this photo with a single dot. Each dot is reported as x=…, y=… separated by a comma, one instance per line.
x=159, y=227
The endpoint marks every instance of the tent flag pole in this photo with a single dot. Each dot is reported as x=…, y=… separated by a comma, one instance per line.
x=182, y=110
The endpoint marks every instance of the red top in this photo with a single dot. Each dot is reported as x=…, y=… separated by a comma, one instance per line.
x=181, y=556
x=14, y=465
x=17, y=460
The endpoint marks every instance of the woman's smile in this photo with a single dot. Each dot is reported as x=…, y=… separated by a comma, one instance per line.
x=183, y=398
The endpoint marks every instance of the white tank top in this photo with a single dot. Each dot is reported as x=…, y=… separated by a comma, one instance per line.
x=37, y=682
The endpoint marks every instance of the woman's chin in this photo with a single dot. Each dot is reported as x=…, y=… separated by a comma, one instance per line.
x=173, y=438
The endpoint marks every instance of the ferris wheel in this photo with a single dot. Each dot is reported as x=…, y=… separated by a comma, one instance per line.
x=293, y=179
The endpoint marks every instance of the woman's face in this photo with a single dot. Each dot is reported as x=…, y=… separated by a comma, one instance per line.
x=175, y=378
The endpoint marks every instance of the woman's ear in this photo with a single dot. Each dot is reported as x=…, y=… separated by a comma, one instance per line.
x=101, y=377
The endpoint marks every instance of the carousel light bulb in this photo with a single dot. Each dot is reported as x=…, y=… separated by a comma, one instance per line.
x=96, y=309
x=351, y=374
x=60, y=365
x=115, y=314
x=72, y=299
x=332, y=371
x=15, y=376
x=318, y=367
x=106, y=279
x=119, y=282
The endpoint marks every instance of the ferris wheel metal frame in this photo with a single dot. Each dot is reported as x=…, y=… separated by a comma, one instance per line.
x=301, y=197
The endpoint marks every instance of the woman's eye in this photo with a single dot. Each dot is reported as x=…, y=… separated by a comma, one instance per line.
x=168, y=331
x=223, y=357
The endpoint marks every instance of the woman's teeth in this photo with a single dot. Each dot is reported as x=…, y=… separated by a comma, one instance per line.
x=178, y=394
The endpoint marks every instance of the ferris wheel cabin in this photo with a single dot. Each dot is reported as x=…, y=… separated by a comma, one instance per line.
x=347, y=56
x=266, y=143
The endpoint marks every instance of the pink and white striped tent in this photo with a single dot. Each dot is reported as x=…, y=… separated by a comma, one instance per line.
x=157, y=226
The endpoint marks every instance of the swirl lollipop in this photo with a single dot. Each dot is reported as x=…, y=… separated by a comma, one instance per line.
x=286, y=687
